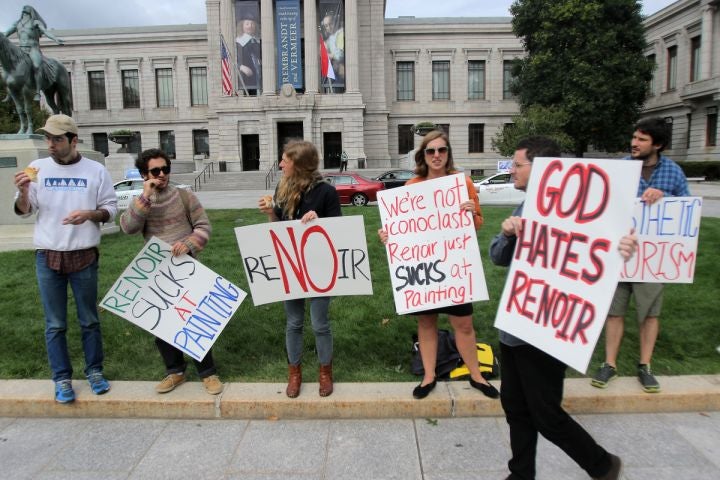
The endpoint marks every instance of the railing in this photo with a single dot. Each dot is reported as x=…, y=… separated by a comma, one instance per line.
x=203, y=176
x=270, y=177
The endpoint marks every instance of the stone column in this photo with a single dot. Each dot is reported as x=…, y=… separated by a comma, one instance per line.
x=312, y=53
x=352, y=64
x=267, y=38
x=706, y=43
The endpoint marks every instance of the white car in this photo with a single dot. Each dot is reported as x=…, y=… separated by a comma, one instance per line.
x=126, y=190
x=498, y=189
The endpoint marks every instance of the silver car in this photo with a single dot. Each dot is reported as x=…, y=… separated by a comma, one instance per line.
x=498, y=189
x=126, y=190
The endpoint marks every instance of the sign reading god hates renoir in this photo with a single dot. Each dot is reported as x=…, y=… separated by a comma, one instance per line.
x=667, y=241
x=177, y=299
x=566, y=263
x=432, y=248
x=322, y=258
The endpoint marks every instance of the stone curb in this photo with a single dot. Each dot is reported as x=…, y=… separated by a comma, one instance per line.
x=133, y=399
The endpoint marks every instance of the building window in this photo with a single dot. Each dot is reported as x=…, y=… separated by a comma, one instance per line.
x=201, y=143
x=405, y=81
x=167, y=142
x=671, y=68
x=96, y=87
x=695, y=59
x=651, y=83
x=164, y=85
x=131, y=89
x=135, y=145
x=441, y=80
x=476, y=138
x=406, y=139
x=476, y=80
x=711, y=127
x=198, y=86
x=689, y=131
x=507, y=80
x=669, y=127
x=100, y=143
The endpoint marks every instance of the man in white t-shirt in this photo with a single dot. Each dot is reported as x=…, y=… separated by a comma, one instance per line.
x=72, y=196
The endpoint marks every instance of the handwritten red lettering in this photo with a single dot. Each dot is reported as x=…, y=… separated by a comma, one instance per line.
x=578, y=181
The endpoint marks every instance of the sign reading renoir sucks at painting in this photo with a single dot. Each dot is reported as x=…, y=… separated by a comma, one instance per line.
x=177, y=299
x=322, y=258
x=432, y=247
x=566, y=263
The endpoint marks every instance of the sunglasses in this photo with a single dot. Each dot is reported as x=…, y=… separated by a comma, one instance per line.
x=156, y=171
x=440, y=150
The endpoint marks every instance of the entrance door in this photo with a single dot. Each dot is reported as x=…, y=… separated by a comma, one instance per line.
x=332, y=149
x=288, y=131
x=250, y=152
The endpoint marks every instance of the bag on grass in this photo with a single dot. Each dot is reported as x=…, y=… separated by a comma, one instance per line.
x=448, y=357
x=487, y=362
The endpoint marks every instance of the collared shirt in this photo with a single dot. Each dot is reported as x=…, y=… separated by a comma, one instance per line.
x=72, y=261
x=668, y=177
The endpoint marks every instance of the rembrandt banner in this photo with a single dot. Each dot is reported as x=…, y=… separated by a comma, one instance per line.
x=289, y=55
x=667, y=241
x=287, y=260
x=566, y=264
x=177, y=299
x=432, y=246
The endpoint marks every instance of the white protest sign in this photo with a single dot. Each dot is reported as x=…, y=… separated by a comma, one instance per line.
x=667, y=241
x=322, y=258
x=503, y=166
x=432, y=248
x=177, y=299
x=566, y=264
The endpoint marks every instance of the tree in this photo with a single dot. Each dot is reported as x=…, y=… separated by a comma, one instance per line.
x=9, y=120
x=536, y=120
x=585, y=58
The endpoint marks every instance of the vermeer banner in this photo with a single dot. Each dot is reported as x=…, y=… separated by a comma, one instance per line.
x=667, y=241
x=287, y=260
x=177, y=299
x=432, y=247
x=566, y=264
x=289, y=55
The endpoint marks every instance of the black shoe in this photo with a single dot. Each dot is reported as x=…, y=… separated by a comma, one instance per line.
x=487, y=390
x=421, y=391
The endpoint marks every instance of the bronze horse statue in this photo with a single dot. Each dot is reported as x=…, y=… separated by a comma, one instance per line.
x=17, y=72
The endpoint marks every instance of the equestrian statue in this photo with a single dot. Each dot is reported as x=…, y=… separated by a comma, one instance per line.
x=26, y=72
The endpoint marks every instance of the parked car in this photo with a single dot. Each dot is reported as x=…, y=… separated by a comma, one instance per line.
x=353, y=188
x=498, y=189
x=395, y=178
x=126, y=190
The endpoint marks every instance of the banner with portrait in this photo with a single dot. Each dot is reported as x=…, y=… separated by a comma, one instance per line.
x=247, y=43
x=331, y=20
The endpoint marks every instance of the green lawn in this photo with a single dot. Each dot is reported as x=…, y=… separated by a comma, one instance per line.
x=372, y=343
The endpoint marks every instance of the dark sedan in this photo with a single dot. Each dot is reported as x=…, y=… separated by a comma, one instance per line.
x=395, y=178
x=353, y=188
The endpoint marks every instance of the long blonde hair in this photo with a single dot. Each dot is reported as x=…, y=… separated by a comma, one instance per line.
x=305, y=160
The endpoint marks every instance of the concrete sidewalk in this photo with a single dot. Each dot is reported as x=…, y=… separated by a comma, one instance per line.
x=34, y=398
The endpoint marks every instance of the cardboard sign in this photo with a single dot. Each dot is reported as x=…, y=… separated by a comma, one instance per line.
x=323, y=258
x=566, y=263
x=667, y=241
x=432, y=248
x=177, y=299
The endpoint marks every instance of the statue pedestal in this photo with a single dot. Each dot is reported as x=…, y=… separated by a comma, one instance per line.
x=16, y=153
x=118, y=163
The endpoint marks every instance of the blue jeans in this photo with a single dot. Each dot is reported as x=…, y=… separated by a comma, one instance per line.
x=295, y=313
x=53, y=293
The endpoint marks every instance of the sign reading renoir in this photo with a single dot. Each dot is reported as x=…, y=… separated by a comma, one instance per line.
x=177, y=299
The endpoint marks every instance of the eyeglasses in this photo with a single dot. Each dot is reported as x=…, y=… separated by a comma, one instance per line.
x=440, y=150
x=156, y=171
x=516, y=165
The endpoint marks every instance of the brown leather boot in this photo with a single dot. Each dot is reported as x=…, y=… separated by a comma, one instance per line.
x=326, y=380
x=294, y=381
